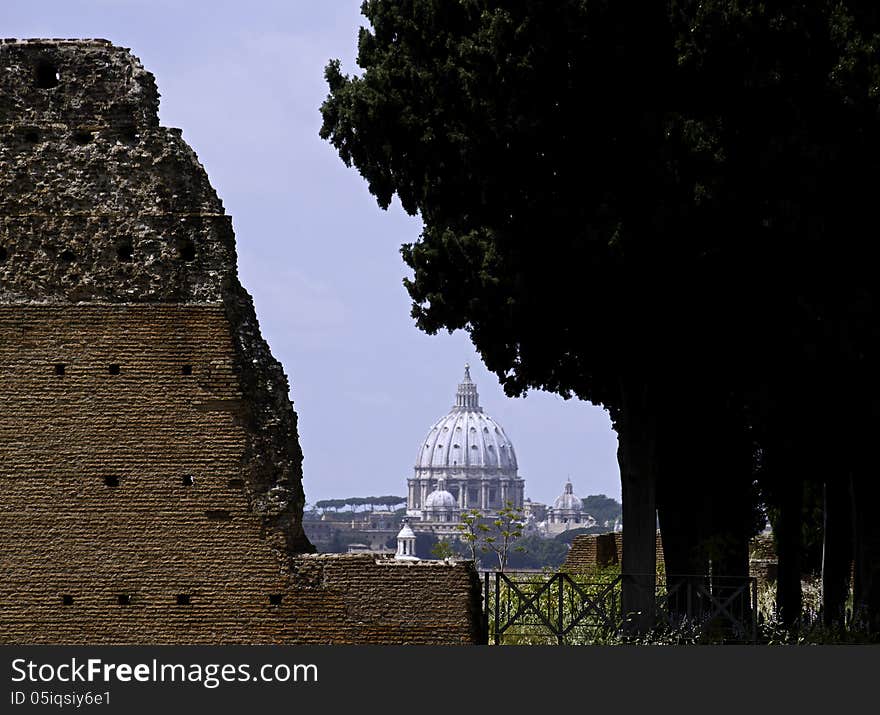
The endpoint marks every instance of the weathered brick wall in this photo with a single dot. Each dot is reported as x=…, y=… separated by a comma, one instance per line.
x=584, y=554
x=360, y=599
x=100, y=204
x=763, y=547
x=149, y=535
x=149, y=460
x=592, y=551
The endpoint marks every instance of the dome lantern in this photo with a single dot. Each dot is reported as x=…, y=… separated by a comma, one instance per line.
x=466, y=397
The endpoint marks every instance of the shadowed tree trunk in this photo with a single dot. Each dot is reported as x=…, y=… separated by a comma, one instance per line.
x=705, y=504
x=866, y=581
x=682, y=510
x=731, y=591
x=682, y=518
x=731, y=524
x=789, y=538
x=636, y=430
x=837, y=550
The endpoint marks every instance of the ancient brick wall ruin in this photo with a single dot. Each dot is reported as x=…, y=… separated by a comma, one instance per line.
x=149, y=458
x=357, y=598
x=591, y=552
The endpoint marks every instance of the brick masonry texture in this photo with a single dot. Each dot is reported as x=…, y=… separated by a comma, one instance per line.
x=149, y=457
x=590, y=552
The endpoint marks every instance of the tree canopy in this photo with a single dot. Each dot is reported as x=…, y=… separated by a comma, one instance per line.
x=482, y=117
x=668, y=212
x=602, y=508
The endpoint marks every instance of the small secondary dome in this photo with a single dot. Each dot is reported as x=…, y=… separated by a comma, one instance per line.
x=567, y=509
x=567, y=501
x=440, y=498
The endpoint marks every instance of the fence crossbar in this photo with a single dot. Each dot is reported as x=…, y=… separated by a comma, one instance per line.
x=526, y=603
x=722, y=607
x=593, y=604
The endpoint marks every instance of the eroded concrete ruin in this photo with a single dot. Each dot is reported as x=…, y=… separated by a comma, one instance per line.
x=150, y=465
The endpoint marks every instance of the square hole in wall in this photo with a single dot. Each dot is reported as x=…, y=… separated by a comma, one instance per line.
x=274, y=599
x=124, y=251
x=186, y=370
x=82, y=137
x=129, y=134
x=187, y=480
x=218, y=515
x=67, y=600
x=114, y=369
x=59, y=368
x=236, y=483
x=111, y=481
x=46, y=75
x=124, y=599
x=186, y=249
x=183, y=599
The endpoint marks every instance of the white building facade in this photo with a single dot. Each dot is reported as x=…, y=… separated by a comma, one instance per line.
x=465, y=462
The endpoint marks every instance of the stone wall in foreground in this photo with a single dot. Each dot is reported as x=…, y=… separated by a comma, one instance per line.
x=357, y=598
x=150, y=467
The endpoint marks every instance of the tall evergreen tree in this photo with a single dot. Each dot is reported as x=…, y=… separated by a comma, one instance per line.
x=659, y=209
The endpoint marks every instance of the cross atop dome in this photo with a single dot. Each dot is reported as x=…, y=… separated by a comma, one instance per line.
x=466, y=398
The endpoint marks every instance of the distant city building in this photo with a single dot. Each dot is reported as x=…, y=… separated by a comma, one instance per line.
x=465, y=462
x=567, y=508
x=566, y=513
x=534, y=511
x=372, y=531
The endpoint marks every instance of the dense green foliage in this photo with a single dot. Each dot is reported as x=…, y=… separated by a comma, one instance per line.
x=535, y=552
x=603, y=509
x=668, y=212
x=526, y=553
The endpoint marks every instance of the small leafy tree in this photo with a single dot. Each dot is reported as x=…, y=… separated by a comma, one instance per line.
x=508, y=528
x=442, y=550
x=471, y=529
x=497, y=537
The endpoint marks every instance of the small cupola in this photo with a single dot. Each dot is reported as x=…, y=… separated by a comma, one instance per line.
x=406, y=543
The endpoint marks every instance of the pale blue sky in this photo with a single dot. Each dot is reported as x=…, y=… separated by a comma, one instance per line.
x=244, y=81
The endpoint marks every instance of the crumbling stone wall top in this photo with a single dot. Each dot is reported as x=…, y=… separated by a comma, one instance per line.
x=97, y=201
x=139, y=392
x=83, y=82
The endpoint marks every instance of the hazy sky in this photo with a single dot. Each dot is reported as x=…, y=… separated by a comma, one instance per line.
x=244, y=80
